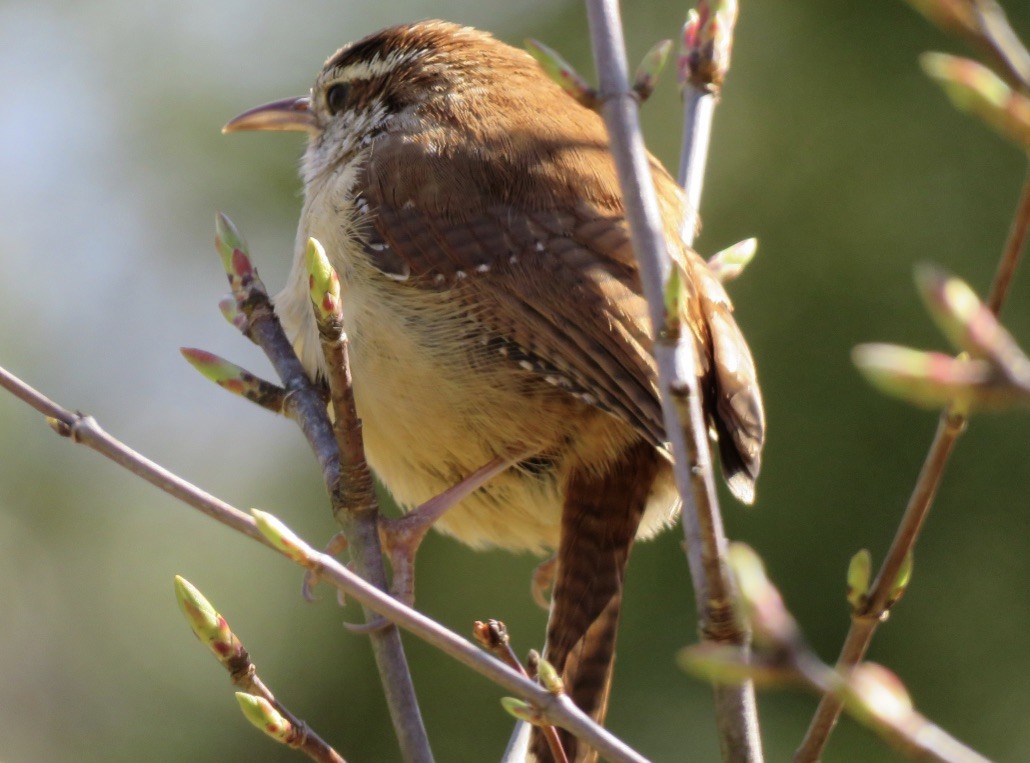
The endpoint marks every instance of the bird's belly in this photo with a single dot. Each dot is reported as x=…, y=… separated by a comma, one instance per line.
x=433, y=412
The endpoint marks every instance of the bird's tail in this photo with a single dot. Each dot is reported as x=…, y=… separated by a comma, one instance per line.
x=599, y=523
x=733, y=399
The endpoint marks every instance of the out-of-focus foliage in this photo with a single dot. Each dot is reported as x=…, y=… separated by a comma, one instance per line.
x=830, y=146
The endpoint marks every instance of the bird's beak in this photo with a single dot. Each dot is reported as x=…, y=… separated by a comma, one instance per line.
x=287, y=114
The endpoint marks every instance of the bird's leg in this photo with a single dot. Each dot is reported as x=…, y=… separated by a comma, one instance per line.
x=401, y=536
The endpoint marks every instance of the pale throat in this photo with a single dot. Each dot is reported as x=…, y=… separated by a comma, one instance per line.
x=328, y=214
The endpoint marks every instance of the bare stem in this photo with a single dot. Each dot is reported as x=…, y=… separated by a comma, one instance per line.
x=306, y=403
x=308, y=408
x=558, y=710
x=1012, y=252
x=872, y=694
x=357, y=510
x=243, y=674
x=307, y=741
x=86, y=431
x=736, y=717
x=911, y=732
x=951, y=425
x=493, y=635
x=698, y=110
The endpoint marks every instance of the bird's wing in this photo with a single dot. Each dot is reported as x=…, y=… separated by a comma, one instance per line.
x=558, y=291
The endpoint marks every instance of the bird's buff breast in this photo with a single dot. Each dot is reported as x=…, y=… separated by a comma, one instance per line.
x=430, y=419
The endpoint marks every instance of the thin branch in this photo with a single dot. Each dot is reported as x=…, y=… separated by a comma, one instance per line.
x=1012, y=252
x=308, y=405
x=702, y=74
x=912, y=732
x=736, y=716
x=213, y=631
x=698, y=110
x=493, y=635
x=307, y=741
x=871, y=693
x=263, y=328
x=950, y=426
x=355, y=505
x=358, y=519
x=557, y=710
x=85, y=430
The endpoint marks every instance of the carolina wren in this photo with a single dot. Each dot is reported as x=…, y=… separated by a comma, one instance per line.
x=494, y=307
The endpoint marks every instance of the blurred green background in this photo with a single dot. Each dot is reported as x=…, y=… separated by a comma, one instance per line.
x=830, y=146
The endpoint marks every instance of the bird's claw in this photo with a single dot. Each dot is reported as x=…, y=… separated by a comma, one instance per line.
x=374, y=625
x=543, y=579
x=336, y=545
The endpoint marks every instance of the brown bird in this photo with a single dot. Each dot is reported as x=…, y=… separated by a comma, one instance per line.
x=495, y=315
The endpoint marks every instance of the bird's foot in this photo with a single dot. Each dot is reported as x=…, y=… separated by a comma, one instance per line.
x=401, y=536
x=336, y=545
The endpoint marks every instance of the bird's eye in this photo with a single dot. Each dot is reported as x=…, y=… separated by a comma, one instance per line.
x=336, y=97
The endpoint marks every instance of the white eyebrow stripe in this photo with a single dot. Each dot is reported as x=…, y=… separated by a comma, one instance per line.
x=377, y=66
